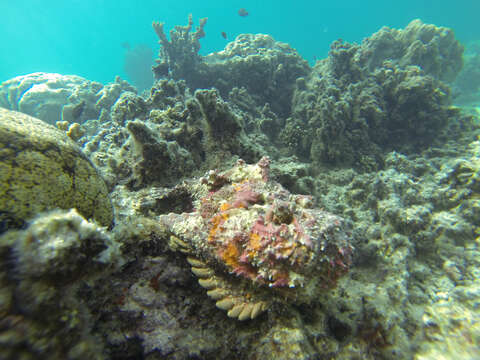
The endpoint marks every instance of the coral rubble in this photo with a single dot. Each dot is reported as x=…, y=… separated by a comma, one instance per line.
x=169, y=135
x=46, y=272
x=179, y=56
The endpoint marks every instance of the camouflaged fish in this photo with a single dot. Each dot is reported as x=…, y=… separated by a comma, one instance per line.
x=251, y=243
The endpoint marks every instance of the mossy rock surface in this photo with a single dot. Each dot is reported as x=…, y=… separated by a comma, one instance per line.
x=41, y=169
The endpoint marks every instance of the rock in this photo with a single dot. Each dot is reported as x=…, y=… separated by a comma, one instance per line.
x=42, y=169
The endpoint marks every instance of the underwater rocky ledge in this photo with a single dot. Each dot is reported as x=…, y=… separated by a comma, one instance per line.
x=248, y=206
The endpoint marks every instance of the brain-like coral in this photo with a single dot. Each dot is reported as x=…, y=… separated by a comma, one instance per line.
x=42, y=169
x=250, y=242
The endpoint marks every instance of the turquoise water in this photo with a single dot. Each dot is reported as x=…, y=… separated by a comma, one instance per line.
x=89, y=37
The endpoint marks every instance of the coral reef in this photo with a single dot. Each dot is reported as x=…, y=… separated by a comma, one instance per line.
x=128, y=107
x=165, y=137
x=42, y=169
x=416, y=229
x=188, y=240
x=434, y=49
x=265, y=68
x=452, y=329
x=385, y=94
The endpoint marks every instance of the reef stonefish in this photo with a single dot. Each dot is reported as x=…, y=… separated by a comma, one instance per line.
x=251, y=243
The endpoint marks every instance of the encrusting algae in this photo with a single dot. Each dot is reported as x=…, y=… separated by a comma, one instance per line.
x=251, y=243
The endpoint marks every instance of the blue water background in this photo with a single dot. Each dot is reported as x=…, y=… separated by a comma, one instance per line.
x=85, y=37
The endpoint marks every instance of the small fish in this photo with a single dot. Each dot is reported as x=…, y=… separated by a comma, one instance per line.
x=243, y=12
x=126, y=45
x=224, y=34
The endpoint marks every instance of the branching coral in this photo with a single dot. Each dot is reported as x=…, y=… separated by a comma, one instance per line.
x=179, y=55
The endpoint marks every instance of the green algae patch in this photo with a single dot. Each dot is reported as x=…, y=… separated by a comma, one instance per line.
x=42, y=169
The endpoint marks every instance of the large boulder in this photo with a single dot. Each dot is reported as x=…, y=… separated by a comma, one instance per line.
x=41, y=169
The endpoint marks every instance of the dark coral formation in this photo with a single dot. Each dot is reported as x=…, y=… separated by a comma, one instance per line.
x=385, y=94
x=265, y=68
x=179, y=57
x=434, y=49
x=168, y=135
